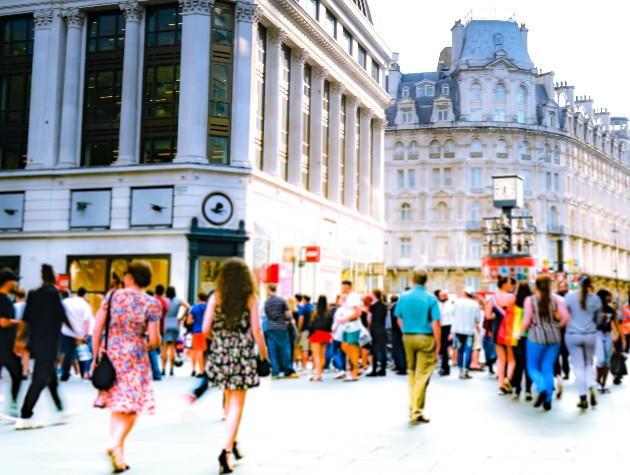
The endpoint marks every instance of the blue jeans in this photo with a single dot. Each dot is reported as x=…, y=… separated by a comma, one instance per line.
x=540, y=361
x=279, y=352
x=69, y=350
x=463, y=343
x=339, y=357
x=489, y=350
x=155, y=366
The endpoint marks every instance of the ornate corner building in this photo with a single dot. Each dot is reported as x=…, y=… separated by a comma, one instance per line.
x=487, y=110
x=188, y=131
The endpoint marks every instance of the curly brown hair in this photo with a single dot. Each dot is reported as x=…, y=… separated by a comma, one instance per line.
x=234, y=287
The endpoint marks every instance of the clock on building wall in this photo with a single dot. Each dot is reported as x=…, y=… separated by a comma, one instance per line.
x=507, y=191
x=218, y=208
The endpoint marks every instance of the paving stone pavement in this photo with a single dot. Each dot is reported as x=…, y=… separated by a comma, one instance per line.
x=311, y=428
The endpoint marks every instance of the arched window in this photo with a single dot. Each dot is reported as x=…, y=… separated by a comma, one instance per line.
x=521, y=95
x=441, y=212
x=553, y=216
x=556, y=154
x=547, y=153
x=413, y=150
x=525, y=150
x=405, y=91
x=499, y=102
x=405, y=212
x=434, y=149
x=499, y=92
x=476, y=92
x=399, y=151
x=475, y=212
x=445, y=89
x=502, y=148
x=476, y=149
x=449, y=147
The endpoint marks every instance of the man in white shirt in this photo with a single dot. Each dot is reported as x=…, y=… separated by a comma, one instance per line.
x=446, y=320
x=466, y=320
x=79, y=314
x=350, y=317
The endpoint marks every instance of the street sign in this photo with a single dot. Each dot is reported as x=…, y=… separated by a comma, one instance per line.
x=63, y=282
x=288, y=254
x=312, y=254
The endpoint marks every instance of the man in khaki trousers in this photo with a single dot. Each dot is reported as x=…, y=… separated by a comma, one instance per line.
x=418, y=315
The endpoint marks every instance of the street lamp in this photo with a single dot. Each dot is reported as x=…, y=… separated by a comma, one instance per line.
x=614, y=232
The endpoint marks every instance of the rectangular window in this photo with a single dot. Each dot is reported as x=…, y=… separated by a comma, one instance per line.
x=548, y=181
x=361, y=56
x=330, y=25
x=376, y=72
x=475, y=114
x=162, y=53
x=405, y=247
x=429, y=91
x=220, y=97
x=312, y=8
x=436, y=180
x=499, y=114
x=325, y=137
x=527, y=180
x=406, y=116
x=520, y=116
x=285, y=81
x=347, y=41
x=476, y=182
x=103, y=87
x=448, y=177
x=306, y=125
x=442, y=113
x=441, y=247
x=476, y=248
x=556, y=182
x=342, y=148
x=261, y=61
x=16, y=63
x=412, y=178
x=400, y=179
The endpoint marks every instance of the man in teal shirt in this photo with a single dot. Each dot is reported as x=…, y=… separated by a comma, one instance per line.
x=419, y=318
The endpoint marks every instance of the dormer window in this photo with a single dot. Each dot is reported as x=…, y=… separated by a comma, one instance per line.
x=445, y=90
x=498, y=39
x=429, y=91
x=405, y=92
x=442, y=113
x=406, y=116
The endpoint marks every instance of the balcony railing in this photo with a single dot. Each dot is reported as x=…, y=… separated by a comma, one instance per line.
x=474, y=225
x=555, y=229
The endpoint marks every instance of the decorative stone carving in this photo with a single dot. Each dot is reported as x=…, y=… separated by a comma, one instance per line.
x=337, y=89
x=276, y=36
x=367, y=114
x=43, y=18
x=73, y=17
x=352, y=103
x=196, y=6
x=248, y=12
x=299, y=57
x=132, y=10
x=319, y=74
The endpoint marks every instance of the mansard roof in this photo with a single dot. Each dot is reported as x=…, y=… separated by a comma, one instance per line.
x=480, y=47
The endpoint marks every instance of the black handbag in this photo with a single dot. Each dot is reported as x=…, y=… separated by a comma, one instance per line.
x=618, y=364
x=263, y=368
x=104, y=375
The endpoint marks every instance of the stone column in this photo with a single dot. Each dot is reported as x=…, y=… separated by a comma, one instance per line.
x=317, y=129
x=247, y=16
x=273, y=102
x=378, y=169
x=194, y=78
x=296, y=119
x=69, y=153
x=131, y=105
x=350, y=186
x=365, y=162
x=41, y=147
x=334, y=147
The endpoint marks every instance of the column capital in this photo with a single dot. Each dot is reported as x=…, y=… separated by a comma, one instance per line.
x=337, y=89
x=276, y=36
x=319, y=74
x=248, y=12
x=352, y=103
x=367, y=114
x=196, y=6
x=299, y=56
x=73, y=17
x=379, y=125
x=43, y=18
x=132, y=10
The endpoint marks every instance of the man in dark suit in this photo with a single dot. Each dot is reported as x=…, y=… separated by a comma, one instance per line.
x=43, y=316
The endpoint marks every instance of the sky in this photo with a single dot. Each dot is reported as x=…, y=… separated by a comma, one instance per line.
x=584, y=43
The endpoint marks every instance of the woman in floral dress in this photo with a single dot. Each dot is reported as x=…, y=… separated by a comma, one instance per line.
x=133, y=313
x=232, y=323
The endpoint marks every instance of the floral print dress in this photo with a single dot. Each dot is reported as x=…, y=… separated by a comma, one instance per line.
x=130, y=315
x=232, y=359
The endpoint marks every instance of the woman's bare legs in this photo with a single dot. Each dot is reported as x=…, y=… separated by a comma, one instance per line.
x=501, y=362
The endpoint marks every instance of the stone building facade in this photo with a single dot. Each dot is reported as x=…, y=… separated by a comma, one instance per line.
x=487, y=110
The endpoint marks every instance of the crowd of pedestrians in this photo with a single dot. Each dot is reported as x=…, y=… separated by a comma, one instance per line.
x=528, y=337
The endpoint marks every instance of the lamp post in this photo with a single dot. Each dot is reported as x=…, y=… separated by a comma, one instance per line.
x=614, y=232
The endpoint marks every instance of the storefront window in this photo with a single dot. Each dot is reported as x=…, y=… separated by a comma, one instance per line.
x=207, y=270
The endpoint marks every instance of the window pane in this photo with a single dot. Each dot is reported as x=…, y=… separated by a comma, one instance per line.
x=222, y=17
x=217, y=149
x=220, y=76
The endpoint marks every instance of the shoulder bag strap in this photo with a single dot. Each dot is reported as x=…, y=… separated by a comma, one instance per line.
x=109, y=309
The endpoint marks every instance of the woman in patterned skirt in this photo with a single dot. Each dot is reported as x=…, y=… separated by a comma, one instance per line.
x=133, y=313
x=232, y=323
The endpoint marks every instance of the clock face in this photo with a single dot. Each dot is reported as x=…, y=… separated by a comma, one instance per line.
x=217, y=208
x=504, y=189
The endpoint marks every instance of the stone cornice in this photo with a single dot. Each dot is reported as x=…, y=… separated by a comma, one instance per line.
x=295, y=13
x=43, y=18
x=248, y=12
x=73, y=17
x=132, y=10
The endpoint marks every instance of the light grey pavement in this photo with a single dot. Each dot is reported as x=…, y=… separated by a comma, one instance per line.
x=299, y=427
